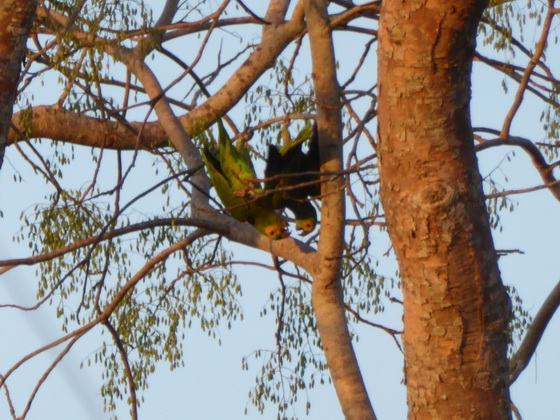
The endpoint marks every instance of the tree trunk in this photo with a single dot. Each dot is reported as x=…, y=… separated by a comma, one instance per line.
x=16, y=17
x=456, y=309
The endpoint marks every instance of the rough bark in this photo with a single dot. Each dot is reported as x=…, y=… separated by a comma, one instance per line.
x=327, y=296
x=16, y=17
x=70, y=127
x=455, y=307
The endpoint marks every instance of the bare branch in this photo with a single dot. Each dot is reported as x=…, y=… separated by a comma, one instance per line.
x=275, y=39
x=108, y=310
x=168, y=12
x=47, y=373
x=544, y=169
x=523, y=356
x=251, y=13
x=128, y=371
x=326, y=296
x=512, y=71
x=554, y=184
x=371, y=9
x=539, y=50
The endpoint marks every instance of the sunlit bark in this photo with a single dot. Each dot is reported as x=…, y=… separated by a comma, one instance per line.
x=455, y=307
x=327, y=297
x=16, y=17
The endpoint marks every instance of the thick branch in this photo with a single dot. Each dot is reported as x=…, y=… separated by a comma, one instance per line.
x=167, y=13
x=78, y=129
x=327, y=299
x=276, y=11
x=180, y=139
x=59, y=124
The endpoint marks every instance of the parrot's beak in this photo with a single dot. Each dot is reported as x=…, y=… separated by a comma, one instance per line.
x=302, y=232
x=285, y=231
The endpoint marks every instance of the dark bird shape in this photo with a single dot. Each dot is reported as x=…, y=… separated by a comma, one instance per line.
x=286, y=169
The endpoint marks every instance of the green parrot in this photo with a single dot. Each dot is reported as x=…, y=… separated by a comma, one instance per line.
x=291, y=161
x=235, y=163
x=230, y=174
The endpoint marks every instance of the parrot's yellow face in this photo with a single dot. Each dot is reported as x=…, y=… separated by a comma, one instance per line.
x=306, y=226
x=277, y=231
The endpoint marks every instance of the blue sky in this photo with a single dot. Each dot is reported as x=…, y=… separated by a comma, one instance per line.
x=212, y=385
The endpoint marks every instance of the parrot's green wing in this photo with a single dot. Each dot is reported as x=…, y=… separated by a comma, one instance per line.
x=288, y=143
x=234, y=203
x=236, y=165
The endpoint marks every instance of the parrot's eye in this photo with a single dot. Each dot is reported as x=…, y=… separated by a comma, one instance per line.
x=277, y=232
x=272, y=232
